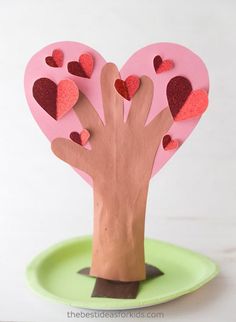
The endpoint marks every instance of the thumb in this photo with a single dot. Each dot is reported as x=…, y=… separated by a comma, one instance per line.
x=72, y=153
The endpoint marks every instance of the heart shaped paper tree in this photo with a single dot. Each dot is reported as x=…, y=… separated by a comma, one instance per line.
x=117, y=130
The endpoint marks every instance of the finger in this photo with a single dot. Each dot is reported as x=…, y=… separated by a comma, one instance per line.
x=88, y=116
x=160, y=125
x=72, y=153
x=141, y=102
x=112, y=101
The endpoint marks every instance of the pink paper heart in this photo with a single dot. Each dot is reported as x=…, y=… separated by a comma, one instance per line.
x=141, y=63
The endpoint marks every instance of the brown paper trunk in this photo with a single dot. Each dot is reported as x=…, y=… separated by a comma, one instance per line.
x=118, y=238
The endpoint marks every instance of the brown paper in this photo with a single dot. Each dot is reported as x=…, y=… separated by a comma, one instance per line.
x=117, y=289
x=120, y=163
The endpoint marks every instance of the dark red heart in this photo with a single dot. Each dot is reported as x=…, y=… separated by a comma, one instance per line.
x=56, y=60
x=184, y=103
x=83, y=67
x=177, y=91
x=80, y=138
x=128, y=87
x=55, y=99
x=169, y=144
x=162, y=65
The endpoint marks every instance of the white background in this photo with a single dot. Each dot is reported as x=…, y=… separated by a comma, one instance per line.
x=191, y=201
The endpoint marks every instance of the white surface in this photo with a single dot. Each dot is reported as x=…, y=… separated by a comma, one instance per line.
x=191, y=201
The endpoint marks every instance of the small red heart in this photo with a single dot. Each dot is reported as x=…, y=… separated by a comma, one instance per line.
x=169, y=144
x=56, y=100
x=161, y=66
x=184, y=103
x=129, y=87
x=80, y=138
x=83, y=67
x=56, y=60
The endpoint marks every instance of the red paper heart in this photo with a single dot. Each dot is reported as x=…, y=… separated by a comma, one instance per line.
x=56, y=100
x=169, y=144
x=195, y=105
x=56, y=60
x=129, y=87
x=161, y=66
x=185, y=103
x=83, y=67
x=80, y=138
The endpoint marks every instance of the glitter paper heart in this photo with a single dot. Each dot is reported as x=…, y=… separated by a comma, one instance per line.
x=185, y=103
x=80, y=138
x=169, y=144
x=161, y=66
x=83, y=67
x=195, y=105
x=56, y=100
x=56, y=60
x=129, y=87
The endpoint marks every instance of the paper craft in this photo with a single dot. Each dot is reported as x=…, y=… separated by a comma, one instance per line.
x=185, y=103
x=117, y=129
x=83, y=67
x=128, y=87
x=161, y=66
x=56, y=100
x=80, y=138
x=169, y=143
x=56, y=60
x=116, y=289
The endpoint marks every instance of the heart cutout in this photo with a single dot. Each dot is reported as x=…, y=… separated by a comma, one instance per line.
x=185, y=103
x=56, y=60
x=161, y=66
x=195, y=105
x=80, y=138
x=83, y=67
x=140, y=63
x=56, y=100
x=169, y=144
x=127, y=88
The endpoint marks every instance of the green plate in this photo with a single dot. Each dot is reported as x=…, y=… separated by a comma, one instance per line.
x=53, y=275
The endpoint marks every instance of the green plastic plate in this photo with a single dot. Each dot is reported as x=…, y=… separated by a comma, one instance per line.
x=53, y=274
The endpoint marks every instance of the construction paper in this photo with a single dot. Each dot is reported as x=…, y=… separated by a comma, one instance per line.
x=151, y=271
x=83, y=67
x=169, y=144
x=56, y=60
x=178, y=90
x=161, y=66
x=119, y=196
x=114, y=289
x=80, y=138
x=195, y=105
x=125, y=147
x=129, y=87
x=122, y=290
x=56, y=100
x=187, y=64
x=185, y=103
